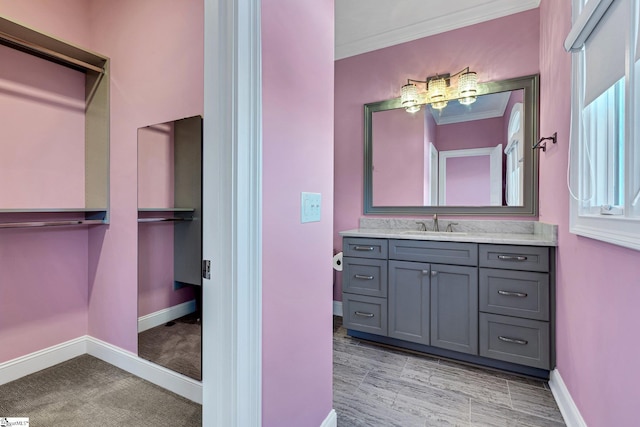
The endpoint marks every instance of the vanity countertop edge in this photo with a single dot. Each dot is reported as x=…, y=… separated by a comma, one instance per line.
x=533, y=239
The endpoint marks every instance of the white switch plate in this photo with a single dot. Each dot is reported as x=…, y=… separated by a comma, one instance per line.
x=310, y=207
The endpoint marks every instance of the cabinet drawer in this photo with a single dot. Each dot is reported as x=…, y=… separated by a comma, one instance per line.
x=530, y=258
x=364, y=248
x=515, y=293
x=365, y=276
x=515, y=340
x=434, y=252
x=366, y=314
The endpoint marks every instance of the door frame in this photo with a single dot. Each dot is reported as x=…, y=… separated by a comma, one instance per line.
x=232, y=220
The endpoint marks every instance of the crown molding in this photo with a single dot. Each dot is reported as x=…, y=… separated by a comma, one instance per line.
x=429, y=27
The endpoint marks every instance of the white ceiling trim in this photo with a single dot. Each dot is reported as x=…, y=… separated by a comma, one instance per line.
x=429, y=27
x=494, y=110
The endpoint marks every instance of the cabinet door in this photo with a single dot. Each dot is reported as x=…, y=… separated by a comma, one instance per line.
x=408, y=301
x=454, y=308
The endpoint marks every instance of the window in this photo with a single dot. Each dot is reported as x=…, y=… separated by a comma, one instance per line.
x=604, y=164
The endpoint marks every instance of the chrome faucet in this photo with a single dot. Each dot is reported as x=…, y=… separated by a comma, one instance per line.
x=435, y=223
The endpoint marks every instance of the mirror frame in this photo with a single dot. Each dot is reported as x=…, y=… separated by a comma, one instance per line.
x=531, y=87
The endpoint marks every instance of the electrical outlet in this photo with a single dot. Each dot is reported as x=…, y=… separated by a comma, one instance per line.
x=310, y=207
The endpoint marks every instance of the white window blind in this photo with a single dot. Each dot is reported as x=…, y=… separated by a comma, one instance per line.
x=605, y=50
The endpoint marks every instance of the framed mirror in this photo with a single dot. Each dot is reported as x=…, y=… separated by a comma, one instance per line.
x=464, y=159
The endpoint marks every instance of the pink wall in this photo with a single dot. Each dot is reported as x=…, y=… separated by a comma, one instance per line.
x=465, y=135
x=43, y=272
x=297, y=108
x=42, y=150
x=156, y=76
x=468, y=181
x=499, y=49
x=155, y=240
x=398, y=158
x=597, y=301
x=156, y=51
x=155, y=166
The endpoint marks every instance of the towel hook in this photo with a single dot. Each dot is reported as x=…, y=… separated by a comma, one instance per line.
x=542, y=143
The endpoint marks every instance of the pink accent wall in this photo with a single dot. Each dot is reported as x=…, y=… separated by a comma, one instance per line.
x=468, y=181
x=43, y=272
x=466, y=135
x=297, y=108
x=498, y=49
x=156, y=51
x=155, y=166
x=398, y=158
x=42, y=150
x=90, y=285
x=598, y=287
x=155, y=240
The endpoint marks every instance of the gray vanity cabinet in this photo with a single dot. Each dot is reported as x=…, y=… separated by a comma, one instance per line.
x=481, y=303
x=409, y=301
x=515, y=304
x=454, y=308
x=364, y=299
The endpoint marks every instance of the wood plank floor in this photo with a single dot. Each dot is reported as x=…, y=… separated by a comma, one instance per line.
x=378, y=386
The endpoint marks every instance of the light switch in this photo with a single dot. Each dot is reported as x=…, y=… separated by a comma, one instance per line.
x=310, y=207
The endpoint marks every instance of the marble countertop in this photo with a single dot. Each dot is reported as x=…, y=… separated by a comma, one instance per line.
x=530, y=233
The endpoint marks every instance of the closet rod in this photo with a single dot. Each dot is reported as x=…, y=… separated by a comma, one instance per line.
x=49, y=223
x=174, y=219
x=48, y=52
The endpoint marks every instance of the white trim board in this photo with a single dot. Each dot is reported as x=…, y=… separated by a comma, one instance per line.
x=125, y=360
x=232, y=220
x=337, y=308
x=568, y=408
x=42, y=359
x=156, y=374
x=165, y=315
x=331, y=420
x=469, y=16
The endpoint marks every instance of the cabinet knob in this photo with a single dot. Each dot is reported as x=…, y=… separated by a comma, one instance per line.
x=434, y=273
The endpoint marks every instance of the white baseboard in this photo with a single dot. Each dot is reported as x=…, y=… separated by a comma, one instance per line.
x=42, y=359
x=156, y=374
x=125, y=360
x=337, y=308
x=331, y=420
x=568, y=408
x=165, y=315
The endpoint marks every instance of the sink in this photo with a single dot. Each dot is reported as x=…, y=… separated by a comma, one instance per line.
x=433, y=233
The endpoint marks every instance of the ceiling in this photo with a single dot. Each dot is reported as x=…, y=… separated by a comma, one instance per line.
x=366, y=25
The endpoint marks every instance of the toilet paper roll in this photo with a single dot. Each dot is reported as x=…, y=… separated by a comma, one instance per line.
x=337, y=261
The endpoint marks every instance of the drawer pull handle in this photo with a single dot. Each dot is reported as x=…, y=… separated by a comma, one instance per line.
x=359, y=313
x=513, y=294
x=512, y=258
x=513, y=340
x=362, y=276
x=364, y=248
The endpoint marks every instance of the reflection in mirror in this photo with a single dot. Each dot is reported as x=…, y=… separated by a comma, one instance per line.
x=169, y=240
x=460, y=159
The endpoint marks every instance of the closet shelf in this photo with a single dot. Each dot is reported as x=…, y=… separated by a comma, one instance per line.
x=49, y=217
x=166, y=210
x=167, y=219
x=29, y=224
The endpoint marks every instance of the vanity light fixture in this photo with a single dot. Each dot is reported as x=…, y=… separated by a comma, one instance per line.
x=440, y=91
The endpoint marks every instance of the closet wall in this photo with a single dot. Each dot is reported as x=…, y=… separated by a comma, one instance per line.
x=43, y=272
x=60, y=284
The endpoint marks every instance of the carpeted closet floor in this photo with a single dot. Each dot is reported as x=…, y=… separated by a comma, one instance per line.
x=87, y=392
